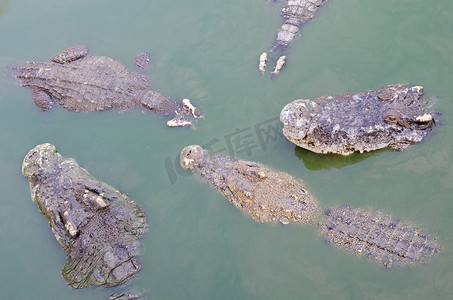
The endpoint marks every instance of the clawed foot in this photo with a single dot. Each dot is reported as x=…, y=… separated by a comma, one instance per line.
x=185, y=115
x=278, y=66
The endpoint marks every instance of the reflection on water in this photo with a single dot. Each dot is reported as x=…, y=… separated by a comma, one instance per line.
x=316, y=161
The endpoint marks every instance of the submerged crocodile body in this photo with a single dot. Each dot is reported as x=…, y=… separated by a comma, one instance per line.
x=97, y=226
x=269, y=196
x=377, y=236
x=392, y=116
x=93, y=83
x=295, y=13
x=266, y=195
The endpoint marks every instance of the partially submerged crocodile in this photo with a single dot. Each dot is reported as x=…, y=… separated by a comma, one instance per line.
x=392, y=116
x=270, y=196
x=93, y=83
x=96, y=225
x=266, y=195
x=295, y=13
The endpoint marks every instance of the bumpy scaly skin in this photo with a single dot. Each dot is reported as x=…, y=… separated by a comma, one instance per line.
x=142, y=60
x=126, y=296
x=94, y=83
x=97, y=225
x=70, y=54
x=391, y=116
x=295, y=13
x=377, y=236
x=266, y=195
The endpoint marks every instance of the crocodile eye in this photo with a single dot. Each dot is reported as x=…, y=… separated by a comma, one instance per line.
x=390, y=117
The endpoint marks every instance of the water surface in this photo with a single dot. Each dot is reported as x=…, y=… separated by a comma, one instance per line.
x=199, y=246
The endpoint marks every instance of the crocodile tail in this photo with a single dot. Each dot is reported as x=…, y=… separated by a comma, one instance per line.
x=377, y=236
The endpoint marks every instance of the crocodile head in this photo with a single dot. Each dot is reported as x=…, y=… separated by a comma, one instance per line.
x=192, y=156
x=97, y=225
x=392, y=116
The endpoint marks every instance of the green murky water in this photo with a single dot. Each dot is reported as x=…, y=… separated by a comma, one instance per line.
x=199, y=246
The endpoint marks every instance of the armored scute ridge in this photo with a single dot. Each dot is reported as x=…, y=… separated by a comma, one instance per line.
x=295, y=13
x=266, y=195
x=393, y=116
x=94, y=83
x=97, y=225
x=377, y=236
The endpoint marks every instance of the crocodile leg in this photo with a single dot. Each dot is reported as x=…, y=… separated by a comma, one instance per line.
x=182, y=113
x=70, y=54
x=42, y=100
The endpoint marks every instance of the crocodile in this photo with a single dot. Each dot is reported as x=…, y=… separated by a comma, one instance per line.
x=268, y=195
x=393, y=116
x=295, y=14
x=96, y=225
x=79, y=82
